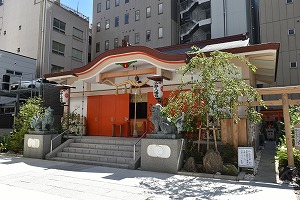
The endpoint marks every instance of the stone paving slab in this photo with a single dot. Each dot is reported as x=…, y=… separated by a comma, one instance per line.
x=42, y=179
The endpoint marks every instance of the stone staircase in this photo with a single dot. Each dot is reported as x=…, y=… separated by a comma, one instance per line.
x=102, y=151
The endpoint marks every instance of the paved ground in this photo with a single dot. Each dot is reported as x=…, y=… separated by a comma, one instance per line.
x=266, y=169
x=39, y=179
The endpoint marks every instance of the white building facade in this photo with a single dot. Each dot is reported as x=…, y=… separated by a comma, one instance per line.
x=168, y=22
x=55, y=35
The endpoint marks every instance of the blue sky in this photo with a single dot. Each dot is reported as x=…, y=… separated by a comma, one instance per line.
x=84, y=6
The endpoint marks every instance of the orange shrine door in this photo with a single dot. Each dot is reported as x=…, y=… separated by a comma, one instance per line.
x=108, y=110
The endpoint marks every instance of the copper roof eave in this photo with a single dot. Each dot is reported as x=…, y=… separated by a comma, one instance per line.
x=121, y=50
x=163, y=56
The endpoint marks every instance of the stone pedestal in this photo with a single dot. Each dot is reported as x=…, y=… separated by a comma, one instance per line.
x=162, y=155
x=37, y=143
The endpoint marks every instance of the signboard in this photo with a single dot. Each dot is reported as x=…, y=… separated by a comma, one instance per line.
x=297, y=137
x=246, y=157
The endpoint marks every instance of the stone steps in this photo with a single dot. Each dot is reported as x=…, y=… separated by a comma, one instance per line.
x=103, y=151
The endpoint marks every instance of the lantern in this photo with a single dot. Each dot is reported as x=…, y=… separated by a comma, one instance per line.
x=158, y=89
x=64, y=96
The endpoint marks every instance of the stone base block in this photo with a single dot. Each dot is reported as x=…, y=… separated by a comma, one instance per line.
x=162, y=155
x=37, y=146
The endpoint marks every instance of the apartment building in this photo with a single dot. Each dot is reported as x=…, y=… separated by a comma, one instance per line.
x=159, y=23
x=138, y=22
x=46, y=30
x=280, y=22
x=208, y=19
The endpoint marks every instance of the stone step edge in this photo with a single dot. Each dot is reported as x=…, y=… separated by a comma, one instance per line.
x=90, y=162
x=95, y=155
x=116, y=142
x=112, y=150
x=123, y=145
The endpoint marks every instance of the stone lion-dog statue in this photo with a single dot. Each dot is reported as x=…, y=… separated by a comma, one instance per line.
x=162, y=124
x=43, y=123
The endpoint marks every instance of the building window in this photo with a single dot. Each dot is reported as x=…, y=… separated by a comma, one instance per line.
x=293, y=64
x=98, y=7
x=289, y=1
x=98, y=27
x=148, y=35
x=59, y=25
x=4, y=32
x=107, y=24
x=58, y=48
x=77, y=54
x=117, y=3
x=137, y=38
x=126, y=1
x=1, y=2
x=78, y=34
x=160, y=8
x=14, y=72
x=107, y=4
x=116, y=42
x=20, y=27
x=148, y=12
x=137, y=15
x=160, y=32
x=117, y=21
x=127, y=18
x=55, y=68
x=106, y=45
x=97, y=47
x=18, y=50
x=126, y=38
x=291, y=31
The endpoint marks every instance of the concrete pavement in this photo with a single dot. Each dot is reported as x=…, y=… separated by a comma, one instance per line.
x=41, y=179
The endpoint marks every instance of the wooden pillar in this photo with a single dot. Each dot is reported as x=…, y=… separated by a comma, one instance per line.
x=235, y=128
x=287, y=126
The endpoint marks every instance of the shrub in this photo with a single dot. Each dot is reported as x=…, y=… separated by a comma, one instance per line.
x=5, y=143
x=32, y=107
x=229, y=154
x=282, y=156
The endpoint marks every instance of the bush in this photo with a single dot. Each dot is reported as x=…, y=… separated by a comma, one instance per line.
x=32, y=107
x=282, y=157
x=229, y=154
x=5, y=143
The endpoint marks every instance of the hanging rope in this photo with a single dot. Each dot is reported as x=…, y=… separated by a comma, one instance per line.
x=125, y=83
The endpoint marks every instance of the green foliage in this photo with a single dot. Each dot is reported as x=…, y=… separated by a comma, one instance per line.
x=74, y=120
x=229, y=154
x=191, y=150
x=282, y=156
x=32, y=107
x=5, y=142
x=216, y=91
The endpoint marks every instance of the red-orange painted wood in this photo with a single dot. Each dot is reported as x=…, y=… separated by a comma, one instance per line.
x=93, y=109
x=107, y=114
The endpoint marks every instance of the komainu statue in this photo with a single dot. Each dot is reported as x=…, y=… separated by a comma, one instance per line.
x=162, y=124
x=43, y=123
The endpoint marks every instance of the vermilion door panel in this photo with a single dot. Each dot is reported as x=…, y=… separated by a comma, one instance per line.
x=107, y=114
x=93, y=115
x=122, y=107
x=122, y=114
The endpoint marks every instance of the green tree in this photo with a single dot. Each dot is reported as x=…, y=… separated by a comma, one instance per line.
x=33, y=106
x=214, y=93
